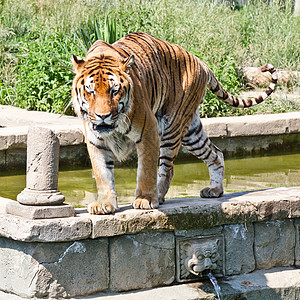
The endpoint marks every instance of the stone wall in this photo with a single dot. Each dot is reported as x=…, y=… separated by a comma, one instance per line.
x=135, y=249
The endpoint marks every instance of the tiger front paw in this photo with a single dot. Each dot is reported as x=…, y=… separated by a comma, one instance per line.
x=208, y=192
x=143, y=203
x=103, y=208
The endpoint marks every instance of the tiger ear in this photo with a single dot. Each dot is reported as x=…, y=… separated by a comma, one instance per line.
x=128, y=63
x=77, y=62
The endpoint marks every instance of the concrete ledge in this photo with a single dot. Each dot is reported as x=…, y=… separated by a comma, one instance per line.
x=173, y=215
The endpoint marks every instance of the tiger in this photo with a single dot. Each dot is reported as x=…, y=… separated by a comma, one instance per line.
x=144, y=93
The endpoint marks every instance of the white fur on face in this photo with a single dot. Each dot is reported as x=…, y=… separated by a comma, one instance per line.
x=90, y=85
x=113, y=80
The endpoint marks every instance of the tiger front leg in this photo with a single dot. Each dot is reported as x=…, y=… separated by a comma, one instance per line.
x=103, y=167
x=148, y=152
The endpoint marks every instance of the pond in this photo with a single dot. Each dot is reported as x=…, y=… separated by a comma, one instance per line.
x=242, y=174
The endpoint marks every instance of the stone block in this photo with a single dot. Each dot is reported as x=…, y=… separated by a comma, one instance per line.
x=199, y=232
x=13, y=137
x=142, y=261
x=48, y=230
x=2, y=160
x=16, y=159
x=54, y=269
x=297, y=248
x=73, y=155
x=215, y=127
x=40, y=212
x=294, y=124
x=239, y=256
x=274, y=244
x=68, y=134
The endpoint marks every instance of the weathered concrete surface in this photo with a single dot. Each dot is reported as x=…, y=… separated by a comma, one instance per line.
x=244, y=135
x=297, y=248
x=142, y=261
x=174, y=214
x=40, y=212
x=47, y=230
x=270, y=240
x=54, y=269
x=239, y=240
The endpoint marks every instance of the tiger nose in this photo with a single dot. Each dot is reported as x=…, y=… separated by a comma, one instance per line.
x=103, y=116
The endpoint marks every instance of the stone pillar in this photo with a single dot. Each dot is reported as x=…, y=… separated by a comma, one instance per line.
x=42, y=169
x=41, y=198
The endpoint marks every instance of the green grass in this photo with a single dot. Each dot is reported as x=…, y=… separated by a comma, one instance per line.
x=37, y=38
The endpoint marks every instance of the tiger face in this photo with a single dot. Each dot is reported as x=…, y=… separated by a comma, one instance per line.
x=101, y=94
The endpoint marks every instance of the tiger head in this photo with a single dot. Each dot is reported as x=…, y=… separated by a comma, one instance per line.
x=101, y=92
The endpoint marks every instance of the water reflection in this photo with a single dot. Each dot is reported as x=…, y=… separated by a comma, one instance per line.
x=79, y=187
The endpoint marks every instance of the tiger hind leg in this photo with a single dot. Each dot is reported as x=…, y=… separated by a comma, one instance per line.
x=197, y=143
x=169, y=147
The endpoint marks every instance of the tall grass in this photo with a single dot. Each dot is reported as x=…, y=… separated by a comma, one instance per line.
x=38, y=36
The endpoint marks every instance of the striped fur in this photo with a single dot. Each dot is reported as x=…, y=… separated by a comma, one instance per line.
x=144, y=92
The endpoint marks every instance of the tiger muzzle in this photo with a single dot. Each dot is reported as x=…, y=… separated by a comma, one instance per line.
x=103, y=123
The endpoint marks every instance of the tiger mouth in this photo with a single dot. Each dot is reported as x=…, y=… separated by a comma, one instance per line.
x=103, y=128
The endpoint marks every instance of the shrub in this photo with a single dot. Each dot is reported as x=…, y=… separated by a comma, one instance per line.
x=40, y=83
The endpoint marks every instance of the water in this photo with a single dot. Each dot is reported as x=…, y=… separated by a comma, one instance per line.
x=214, y=282
x=244, y=174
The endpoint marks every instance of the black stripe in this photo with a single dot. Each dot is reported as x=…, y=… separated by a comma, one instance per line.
x=200, y=147
x=142, y=130
x=273, y=80
x=208, y=154
x=164, y=164
x=190, y=143
x=235, y=101
x=98, y=146
x=269, y=91
x=166, y=158
x=195, y=130
x=171, y=145
x=259, y=99
x=110, y=46
x=215, y=89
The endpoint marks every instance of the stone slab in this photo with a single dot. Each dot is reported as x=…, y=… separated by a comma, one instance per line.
x=239, y=240
x=47, y=230
x=274, y=244
x=253, y=125
x=15, y=159
x=297, y=248
x=142, y=261
x=173, y=215
x=54, y=269
x=2, y=160
x=40, y=212
x=192, y=213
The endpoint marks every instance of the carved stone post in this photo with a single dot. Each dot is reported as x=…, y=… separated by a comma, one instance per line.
x=41, y=198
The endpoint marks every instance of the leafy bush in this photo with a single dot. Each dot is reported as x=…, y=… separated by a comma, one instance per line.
x=40, y=83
